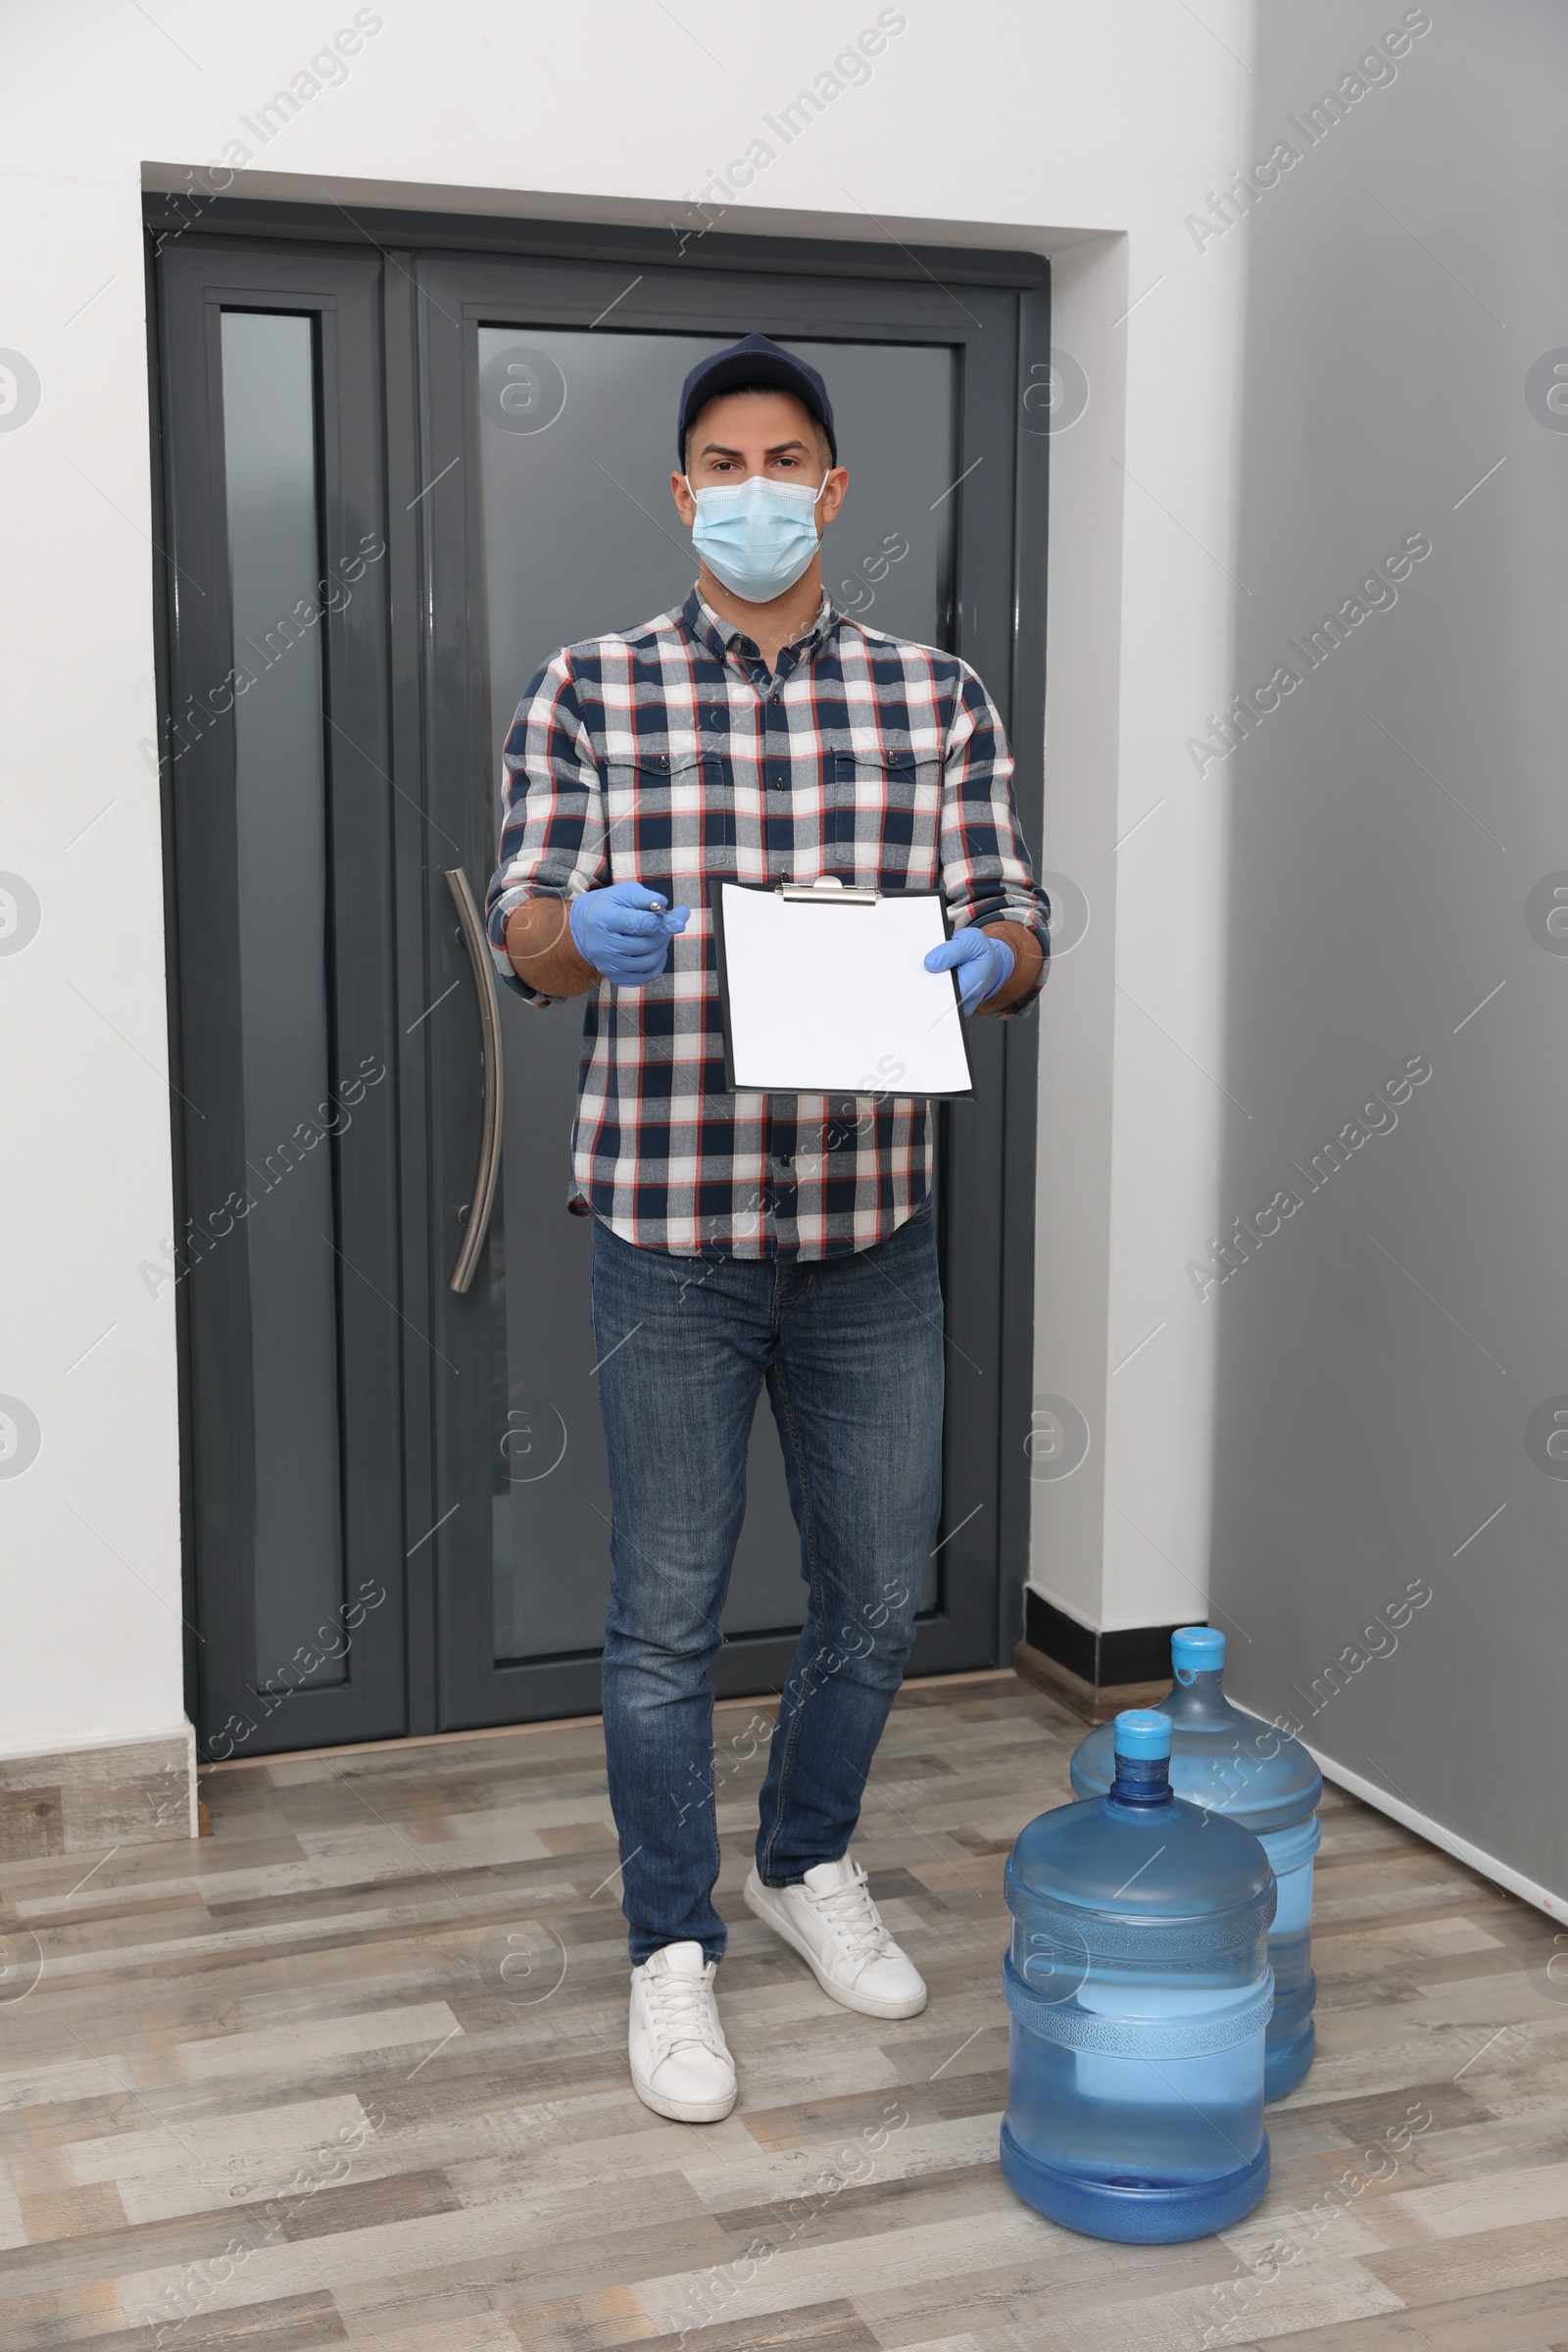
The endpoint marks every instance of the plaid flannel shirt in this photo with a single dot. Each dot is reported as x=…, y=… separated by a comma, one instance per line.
x=669, y=754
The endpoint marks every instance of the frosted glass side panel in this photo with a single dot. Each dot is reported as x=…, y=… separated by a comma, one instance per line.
x=281, y=784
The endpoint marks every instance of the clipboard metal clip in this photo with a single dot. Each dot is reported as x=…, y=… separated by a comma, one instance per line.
x=828, y=890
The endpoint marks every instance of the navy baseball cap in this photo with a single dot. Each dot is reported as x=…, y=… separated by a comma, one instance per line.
x=754, y=360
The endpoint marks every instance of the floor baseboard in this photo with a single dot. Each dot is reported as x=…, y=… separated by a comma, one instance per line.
x=79, y=1800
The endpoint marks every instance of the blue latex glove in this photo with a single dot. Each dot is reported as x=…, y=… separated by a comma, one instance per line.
x=983, y=964
x=624, y=931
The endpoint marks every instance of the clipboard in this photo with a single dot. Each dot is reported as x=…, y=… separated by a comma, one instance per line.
x=823, y=991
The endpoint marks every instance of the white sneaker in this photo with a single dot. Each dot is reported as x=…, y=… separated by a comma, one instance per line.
x=832, y=1922
x=680, y=2061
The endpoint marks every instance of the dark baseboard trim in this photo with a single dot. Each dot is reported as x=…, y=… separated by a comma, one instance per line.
x=1130, y=1653
x=1092, y=1702
x=1096, y=1674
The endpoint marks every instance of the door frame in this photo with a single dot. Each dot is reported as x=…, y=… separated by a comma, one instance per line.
x=989, y=1200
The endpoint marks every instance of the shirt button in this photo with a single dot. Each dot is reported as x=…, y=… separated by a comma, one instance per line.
x=778, y=783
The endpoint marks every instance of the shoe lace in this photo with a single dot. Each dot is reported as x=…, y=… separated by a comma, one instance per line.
x=682, y=2011
x=854, y=1917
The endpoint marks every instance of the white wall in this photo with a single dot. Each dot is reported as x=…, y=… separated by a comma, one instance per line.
x=1024, y=125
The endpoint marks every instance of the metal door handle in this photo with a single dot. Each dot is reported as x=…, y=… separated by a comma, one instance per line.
x=477, y=1216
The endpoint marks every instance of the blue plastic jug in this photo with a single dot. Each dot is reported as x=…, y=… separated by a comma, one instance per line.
x=1232, y=1764
x=1139, y=1989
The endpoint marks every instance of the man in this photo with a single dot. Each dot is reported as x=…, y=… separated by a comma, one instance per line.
x=759, y=733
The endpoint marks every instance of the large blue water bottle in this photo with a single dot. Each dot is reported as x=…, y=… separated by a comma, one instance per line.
x=1139, y=1989
x=1230, y=1763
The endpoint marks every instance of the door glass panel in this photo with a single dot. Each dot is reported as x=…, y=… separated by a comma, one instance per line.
x=577, y=445
x=273, y=554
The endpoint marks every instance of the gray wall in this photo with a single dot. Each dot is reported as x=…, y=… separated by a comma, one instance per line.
x=1390, y=1359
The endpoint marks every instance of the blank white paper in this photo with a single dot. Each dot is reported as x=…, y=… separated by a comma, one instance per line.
x=837, y=1000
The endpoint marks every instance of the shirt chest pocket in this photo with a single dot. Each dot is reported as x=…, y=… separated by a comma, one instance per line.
x=886, y=806
x=669, y=817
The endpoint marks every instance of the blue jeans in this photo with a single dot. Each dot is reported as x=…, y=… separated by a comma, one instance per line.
x=852, y=1351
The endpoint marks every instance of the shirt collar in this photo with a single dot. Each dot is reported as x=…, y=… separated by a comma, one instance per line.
x=721, y=637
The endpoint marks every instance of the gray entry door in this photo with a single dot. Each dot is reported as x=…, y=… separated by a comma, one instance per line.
x=399, y=467
x=547, y=391
x=580, y=537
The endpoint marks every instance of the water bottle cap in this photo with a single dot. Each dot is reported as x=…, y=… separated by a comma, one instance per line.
x=1196, y=1650
x=1142, y=1732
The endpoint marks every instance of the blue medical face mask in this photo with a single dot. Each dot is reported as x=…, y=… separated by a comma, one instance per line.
x=757, y=536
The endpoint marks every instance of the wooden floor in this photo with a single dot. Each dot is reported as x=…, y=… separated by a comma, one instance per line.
x=352, y=2071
